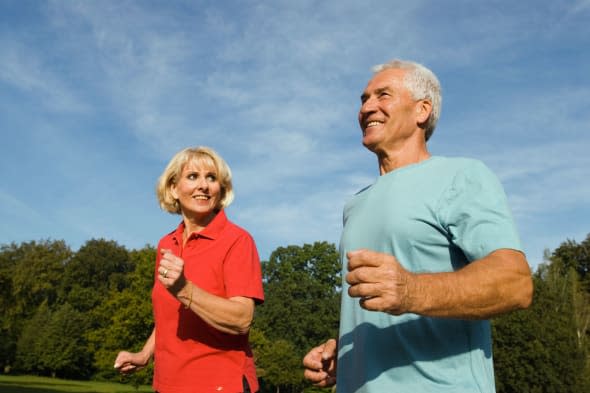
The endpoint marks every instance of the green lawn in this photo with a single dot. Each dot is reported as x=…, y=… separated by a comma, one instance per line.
x=30, y=384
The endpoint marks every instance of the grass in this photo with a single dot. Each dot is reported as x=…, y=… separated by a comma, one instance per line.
x=32, y=384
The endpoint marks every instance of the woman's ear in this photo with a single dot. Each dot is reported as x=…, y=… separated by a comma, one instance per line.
x=172, y=188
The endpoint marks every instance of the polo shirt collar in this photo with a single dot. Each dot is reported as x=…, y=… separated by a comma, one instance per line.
x=211, y=231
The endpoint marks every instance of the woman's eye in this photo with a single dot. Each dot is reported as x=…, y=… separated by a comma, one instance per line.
x=191, y=176
x=211, y=177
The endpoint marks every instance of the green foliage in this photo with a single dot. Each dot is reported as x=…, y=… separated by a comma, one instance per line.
x=127, y=319
x=68, y=314
x=301, y=309
x=30, y=274
x=304, y=282
x=64, y=348
x=142, y=276
x=543, y=349
x=55, y=302
x=38, y=273
x=536, y=350
x=130, y=323
x=30, y=341
x=278, y=364
x=52, y=343
x=97, y=268
x=571, y=254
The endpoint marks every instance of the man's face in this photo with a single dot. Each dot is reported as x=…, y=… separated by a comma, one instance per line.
x=388, y=113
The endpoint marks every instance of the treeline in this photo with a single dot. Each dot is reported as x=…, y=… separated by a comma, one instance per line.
x=67, y=314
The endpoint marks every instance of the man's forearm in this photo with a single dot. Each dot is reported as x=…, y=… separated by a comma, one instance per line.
x=496, y=284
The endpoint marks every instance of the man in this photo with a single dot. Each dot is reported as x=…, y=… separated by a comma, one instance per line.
x=429, y=253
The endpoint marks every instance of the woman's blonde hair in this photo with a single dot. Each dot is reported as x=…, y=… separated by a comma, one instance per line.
x=171, y=174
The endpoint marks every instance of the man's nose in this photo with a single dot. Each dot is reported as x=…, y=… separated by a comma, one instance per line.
x=368, y=105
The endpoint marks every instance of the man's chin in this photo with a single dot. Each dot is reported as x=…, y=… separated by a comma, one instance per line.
x=369, y=145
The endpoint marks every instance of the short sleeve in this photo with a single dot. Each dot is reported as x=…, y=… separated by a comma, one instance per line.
x=474, y=210
x=242, y=271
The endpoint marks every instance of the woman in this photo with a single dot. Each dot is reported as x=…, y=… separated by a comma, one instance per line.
x=208, y=280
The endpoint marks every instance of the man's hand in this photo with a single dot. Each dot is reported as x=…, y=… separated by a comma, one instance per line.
x=320, y=364
x=380, y=282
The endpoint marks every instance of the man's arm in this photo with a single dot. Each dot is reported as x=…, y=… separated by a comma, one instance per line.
x=493, y=285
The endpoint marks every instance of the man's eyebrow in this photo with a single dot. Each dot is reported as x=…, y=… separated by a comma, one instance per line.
x=377, y=91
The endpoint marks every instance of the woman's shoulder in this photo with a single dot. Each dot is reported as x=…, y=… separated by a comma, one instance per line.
x=236, y=229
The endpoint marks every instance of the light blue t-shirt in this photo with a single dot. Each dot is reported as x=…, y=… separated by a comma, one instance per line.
x=434, y=216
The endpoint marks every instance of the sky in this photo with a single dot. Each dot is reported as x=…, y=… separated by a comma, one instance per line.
x=97, y=96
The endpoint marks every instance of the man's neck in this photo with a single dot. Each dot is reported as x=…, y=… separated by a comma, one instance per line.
x=406, y=155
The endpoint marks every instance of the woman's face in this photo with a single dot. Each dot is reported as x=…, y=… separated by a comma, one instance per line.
x=198, y=191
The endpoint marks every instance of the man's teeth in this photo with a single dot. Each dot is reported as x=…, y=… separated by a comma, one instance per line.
x=373, y=123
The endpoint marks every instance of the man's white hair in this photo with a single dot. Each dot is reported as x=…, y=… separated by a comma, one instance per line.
x=422, y=84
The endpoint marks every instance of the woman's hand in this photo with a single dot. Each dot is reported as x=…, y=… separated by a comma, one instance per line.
x=128, y=362
x=171, y=272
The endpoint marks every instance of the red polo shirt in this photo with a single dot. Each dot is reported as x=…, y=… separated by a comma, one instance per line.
x=190, y=355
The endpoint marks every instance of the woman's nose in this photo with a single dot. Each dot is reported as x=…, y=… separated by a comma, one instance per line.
x=202, y=183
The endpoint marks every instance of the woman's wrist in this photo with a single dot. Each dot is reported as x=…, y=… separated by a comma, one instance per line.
x=145, y=356
x=185, y=295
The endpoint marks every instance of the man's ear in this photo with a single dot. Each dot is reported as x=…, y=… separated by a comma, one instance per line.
x=423, y=111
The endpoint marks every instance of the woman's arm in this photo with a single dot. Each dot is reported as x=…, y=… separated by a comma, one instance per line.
x=233, y=315
x=129, y=362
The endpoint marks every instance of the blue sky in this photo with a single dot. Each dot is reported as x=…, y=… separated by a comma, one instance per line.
x=96, y=97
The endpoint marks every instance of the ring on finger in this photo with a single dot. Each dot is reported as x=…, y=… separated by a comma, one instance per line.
x=165, y=273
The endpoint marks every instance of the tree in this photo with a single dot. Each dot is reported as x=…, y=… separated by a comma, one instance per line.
x=97, y=267
x=577, y=256
x=301, y=309
x=53, y=344
x=30, y=274
x=30, y=341
x=278, y=364
x=129, y=319
x=64, y=350
x=572, y=256
x=539, y=350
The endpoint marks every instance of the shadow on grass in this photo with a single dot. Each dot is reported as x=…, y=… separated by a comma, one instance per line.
x=35, y=384
x=33, y=387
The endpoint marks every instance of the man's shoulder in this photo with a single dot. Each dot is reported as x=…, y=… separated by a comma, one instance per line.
x=453, y=166
x=457, y=162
